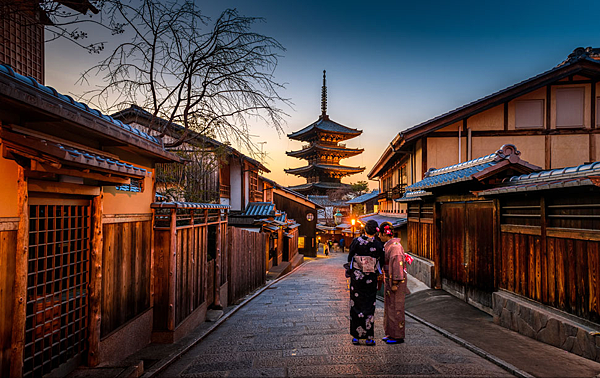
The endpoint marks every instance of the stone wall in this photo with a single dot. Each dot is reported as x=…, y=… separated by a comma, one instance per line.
x=422, y=269
x=546, y=325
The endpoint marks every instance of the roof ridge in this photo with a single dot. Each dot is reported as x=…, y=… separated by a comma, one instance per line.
x=505, y=152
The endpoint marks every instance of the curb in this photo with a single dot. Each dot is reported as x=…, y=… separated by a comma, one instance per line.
x=166, y=362
x=480, y=352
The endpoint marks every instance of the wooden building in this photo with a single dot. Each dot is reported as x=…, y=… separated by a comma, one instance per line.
x=299, y=208
x=323, y=153
x=552, y=117
x=226, y=176
x=76, y=231
x=364, y=204
x=517, y=242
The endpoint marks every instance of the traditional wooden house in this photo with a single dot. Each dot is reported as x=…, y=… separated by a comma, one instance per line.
x=523, y=248
x=552, y=117
x=364, y=204
x=299, y=208
x=76, y=231
x=214, y=172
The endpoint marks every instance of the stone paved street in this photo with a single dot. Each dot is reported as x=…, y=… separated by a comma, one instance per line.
x=299, y=327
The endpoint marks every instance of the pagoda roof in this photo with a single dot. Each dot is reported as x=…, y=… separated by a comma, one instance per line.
x=319, y=186
x=319, y=147
x=324, y=167
x=326, y=125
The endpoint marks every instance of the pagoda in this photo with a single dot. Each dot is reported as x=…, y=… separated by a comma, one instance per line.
x=324, y=152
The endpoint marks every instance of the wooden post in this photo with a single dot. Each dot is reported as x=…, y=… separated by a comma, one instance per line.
x=172, y=269
x=95, y=285
x=152, y=265
x=544, y=252
x=20, y=285
x=217, y=304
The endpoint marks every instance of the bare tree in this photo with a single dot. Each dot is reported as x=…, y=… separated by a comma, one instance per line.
x=209, y=77
x=68, y=19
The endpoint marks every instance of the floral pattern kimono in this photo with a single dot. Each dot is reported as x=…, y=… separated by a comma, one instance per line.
x=366, y=256
x=395, y=275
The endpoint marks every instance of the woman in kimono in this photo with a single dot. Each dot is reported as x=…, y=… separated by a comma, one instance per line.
x=395, y=287
x=365, y=258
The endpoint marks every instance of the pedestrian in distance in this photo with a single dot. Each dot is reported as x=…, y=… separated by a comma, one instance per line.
x=326, y=248
x=395, y=285
x=365, y=259
x=329, y=247
x=342, y=241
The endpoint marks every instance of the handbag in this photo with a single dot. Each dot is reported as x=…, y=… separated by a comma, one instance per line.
x=348, y=268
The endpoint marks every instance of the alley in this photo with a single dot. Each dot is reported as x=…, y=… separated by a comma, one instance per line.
x=299, y=327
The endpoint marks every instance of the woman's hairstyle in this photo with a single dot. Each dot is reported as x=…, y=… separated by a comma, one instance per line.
x=371, y=227
x=385, y=228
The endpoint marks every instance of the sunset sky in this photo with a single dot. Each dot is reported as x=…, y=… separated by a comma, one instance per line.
x=390, y=65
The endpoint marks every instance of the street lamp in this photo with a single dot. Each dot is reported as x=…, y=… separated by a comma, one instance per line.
x=338, y=217
x=353, y=221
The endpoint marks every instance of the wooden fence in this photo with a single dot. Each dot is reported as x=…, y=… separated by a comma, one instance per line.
x=8, y=247
x=182, y=246
x=247, y=260
x=550, y=249
x=421, y=230
x=126, y=273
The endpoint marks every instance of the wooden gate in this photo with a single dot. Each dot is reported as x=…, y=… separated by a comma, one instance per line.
x=57, y=280
x=467, y=233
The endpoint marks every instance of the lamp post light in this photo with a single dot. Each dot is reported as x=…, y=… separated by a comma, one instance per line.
x=338, y=217
x=353, y=221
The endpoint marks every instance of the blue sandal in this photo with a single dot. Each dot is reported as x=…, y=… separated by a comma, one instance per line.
x=370, y=342
x=355, y=342
x=394, y=341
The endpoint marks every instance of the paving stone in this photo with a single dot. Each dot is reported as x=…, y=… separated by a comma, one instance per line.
x=300, y=328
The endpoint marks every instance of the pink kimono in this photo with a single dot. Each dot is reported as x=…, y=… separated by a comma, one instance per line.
x=393, y=315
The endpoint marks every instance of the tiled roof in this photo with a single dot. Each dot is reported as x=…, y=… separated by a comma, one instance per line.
x=7, y=70
x=396, y=222
x=319, y=185
x=260, y=209
x=550, y=179
x=139, y=115
x=324, y=201
x=324, y=167
x=364, y=198
x=415, y=195
x=327, y=125
x=318, y=147
x=467, y=170
x=187, y=205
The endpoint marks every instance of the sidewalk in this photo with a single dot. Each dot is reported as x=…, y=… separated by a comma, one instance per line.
x=451, y=314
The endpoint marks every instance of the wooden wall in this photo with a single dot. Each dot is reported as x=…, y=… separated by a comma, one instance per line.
x=421, y=230
x=126, y=273
x=8, y=249
x=550, y=249
x=247, y=261
x=297, y=211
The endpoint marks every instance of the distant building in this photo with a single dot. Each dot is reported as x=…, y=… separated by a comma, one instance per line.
x=323, y=153
x=367, y=201
x=552, y=117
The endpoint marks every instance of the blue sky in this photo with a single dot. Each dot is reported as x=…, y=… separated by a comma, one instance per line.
x=390, y=64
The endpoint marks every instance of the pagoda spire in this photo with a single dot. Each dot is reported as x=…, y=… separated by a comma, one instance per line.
x=324, y=97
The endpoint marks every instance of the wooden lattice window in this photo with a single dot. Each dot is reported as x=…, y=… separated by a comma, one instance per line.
x=57, y=280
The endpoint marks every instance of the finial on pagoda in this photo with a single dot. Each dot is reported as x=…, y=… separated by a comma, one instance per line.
x=324, y=97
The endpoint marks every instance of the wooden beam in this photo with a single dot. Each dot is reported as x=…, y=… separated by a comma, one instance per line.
x=593, y=106
x=95, y=286
x=543, y=250
x=548, y=107
x=217, y=304
x=521, y=229
x=63, y=188
x=547, y=152
x=20, y=285
x=106, y=178
x=506, y=116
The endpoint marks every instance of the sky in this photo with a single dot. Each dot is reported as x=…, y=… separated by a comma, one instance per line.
x=390, y=64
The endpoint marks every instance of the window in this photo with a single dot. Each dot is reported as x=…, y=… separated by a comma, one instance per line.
x=529, y=114
x=569, y=107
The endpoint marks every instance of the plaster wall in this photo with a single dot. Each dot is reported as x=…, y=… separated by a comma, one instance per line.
x=119, y=202
x=492, y=119
x=532, y=147
x=236, y=185
x=569, y=150
x=442, y=152
x=419, y=160
x=8, y=188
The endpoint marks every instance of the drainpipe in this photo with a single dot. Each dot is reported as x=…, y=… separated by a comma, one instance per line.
x=459, y=144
